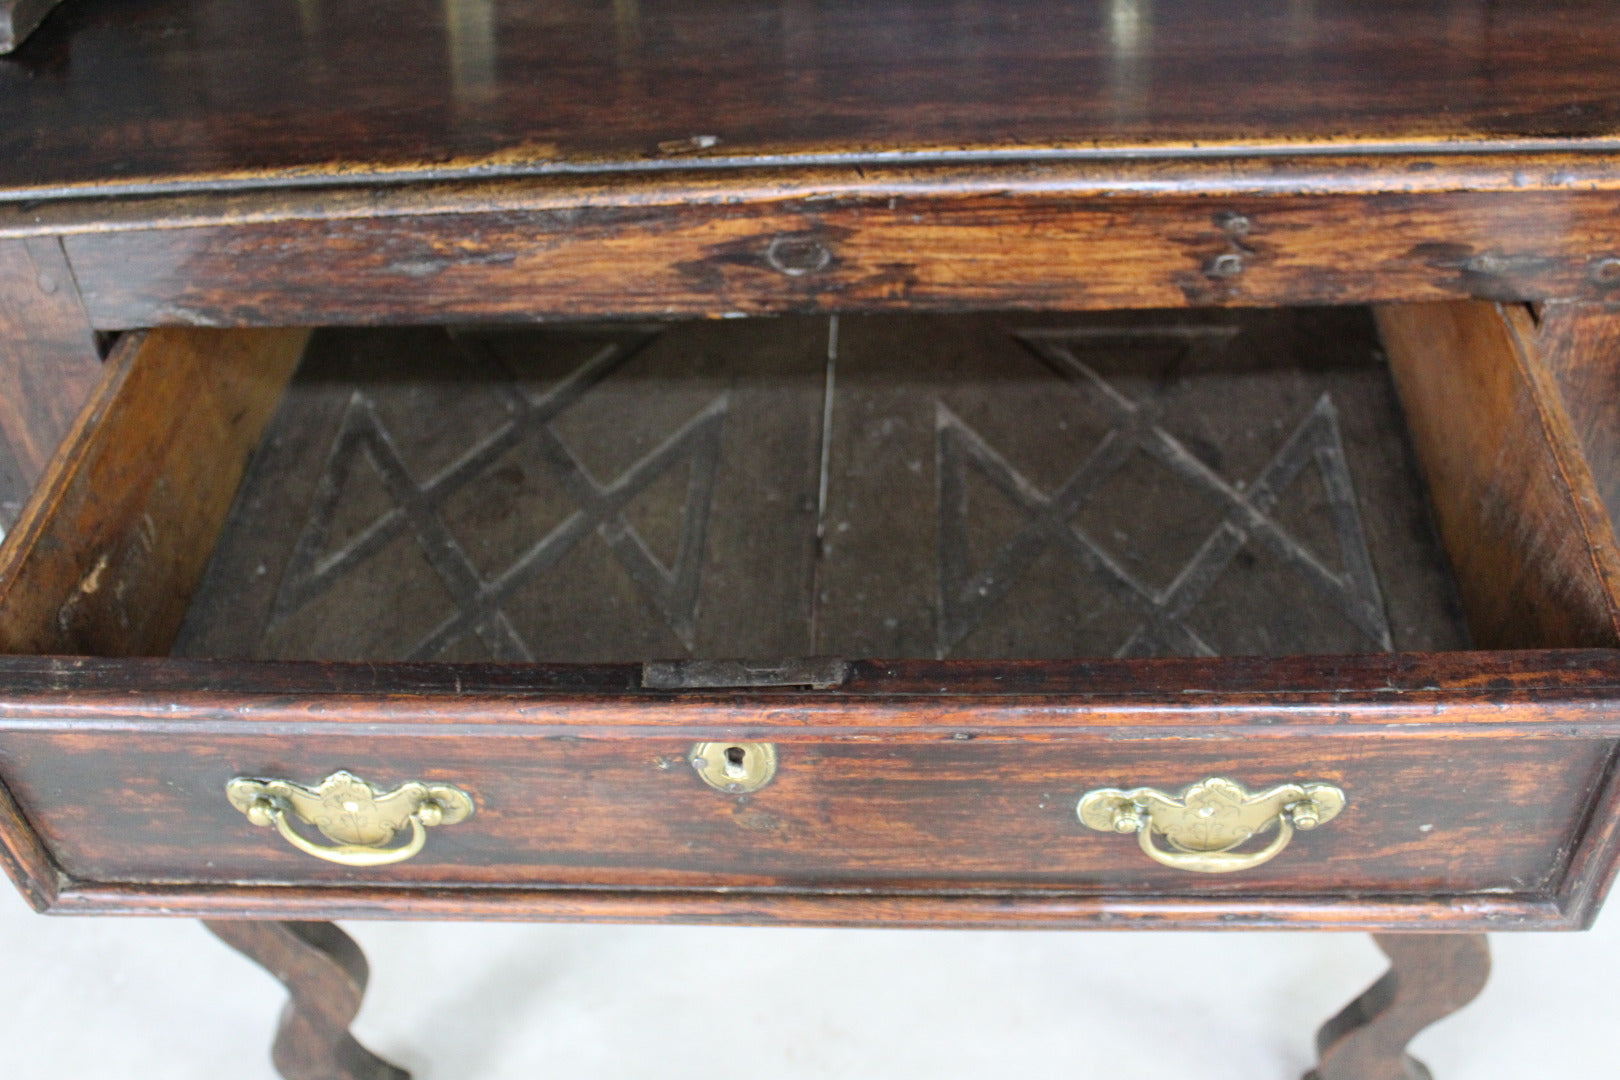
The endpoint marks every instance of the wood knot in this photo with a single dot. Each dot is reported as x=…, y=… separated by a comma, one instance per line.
x=797, y=255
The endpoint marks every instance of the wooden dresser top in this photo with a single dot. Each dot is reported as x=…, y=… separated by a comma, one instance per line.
x=172, y=95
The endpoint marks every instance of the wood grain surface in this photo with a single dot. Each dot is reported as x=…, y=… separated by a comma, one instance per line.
x=1468, y=776
x=114, y=539
x=730, y=242
x=916, y=793
x=1516, y=503
x=48, y=360
x=1425, y=816
x=796, y=502
x=175, y=92
x=1580, y=343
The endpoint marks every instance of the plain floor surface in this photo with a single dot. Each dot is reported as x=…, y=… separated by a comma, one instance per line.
x=157, y=999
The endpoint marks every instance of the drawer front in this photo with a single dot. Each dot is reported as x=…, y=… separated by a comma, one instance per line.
x=1421, y=815
x=1472, y=788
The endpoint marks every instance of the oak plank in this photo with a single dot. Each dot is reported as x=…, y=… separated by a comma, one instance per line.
x=924, y=242
x=877, y=790
x=581, y=84
x=49, y=362
x=1581, y=344
x=1518, y=508
x=1462, y=914
x=110, y=547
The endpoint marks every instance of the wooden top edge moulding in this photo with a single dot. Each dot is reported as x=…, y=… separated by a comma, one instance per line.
x=1543, y=693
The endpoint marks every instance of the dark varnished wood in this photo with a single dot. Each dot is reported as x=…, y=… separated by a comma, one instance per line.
x=863, y=157
x=1459, y=914
x=585, y=801
x=48, y=359
x=118, y=532
x=732, y=242
x=325, y=974
x=1430, y=977
x=104, y=559
x=767, y=589
x=946, y=790
x=26, y=859
x=1516, y=503
x=1581, y=344
x=187, y=91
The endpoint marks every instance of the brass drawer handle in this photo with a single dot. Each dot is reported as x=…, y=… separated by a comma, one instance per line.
x=360, y=820
x=1210, y=819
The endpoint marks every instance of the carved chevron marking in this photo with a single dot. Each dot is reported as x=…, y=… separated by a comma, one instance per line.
x=672, y=591
x=967, y=595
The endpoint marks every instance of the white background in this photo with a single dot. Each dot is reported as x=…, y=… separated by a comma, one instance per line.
x=145, y=999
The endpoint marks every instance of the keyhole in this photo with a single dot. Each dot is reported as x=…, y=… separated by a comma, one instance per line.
x=735, y=768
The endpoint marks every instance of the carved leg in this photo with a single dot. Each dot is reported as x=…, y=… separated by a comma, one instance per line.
x=1430, y=977
x=325, y=973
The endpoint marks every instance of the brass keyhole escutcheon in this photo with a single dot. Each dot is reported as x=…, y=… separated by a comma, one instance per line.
x=735, y=768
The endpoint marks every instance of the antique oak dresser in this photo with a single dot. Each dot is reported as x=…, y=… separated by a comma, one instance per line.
x=188, y=188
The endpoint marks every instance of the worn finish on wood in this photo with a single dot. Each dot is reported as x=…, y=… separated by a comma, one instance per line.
x=1580, y=343
x=325, y=974
x=1430, y=977
x=581, y=783
x=48, y=361
x=177, y=91
x=596, y=493
x=25, y=858
x=18, y=19
x=1003, y=237
x=114, y=539
x=389, y=442
x=1023, y=487
x=1118, y=911
x=934, y=786
x=813, y=157
x=1530, y=542
x=924, y=813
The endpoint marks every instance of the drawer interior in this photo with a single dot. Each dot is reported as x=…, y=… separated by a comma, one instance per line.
x=1057, y=553
x=1026, y=485
x=977, y=486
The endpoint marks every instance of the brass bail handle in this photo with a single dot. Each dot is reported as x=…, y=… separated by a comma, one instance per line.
x=1207, y=822
x=361, y=821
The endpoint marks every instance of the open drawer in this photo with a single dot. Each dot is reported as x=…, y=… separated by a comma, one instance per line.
x=662, y=742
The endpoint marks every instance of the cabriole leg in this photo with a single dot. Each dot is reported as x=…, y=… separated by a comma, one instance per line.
x=1430, y=977
x=325, y=973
